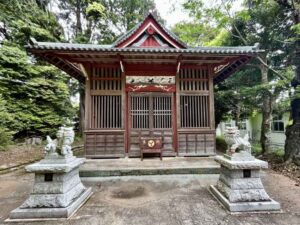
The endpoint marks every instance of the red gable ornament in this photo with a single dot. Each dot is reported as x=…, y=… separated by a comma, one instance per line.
x=149, y=33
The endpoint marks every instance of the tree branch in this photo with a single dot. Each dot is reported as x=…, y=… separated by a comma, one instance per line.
x=246, y=43
x=267, y=66
x=252, y=65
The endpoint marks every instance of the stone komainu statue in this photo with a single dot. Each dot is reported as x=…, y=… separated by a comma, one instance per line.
x=61, y=145
x=235, y=141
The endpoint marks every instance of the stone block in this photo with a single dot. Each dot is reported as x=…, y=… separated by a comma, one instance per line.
x=57, y=191
x=238, y=173
x=264, y=206
x=242, y=195
x=62, y=183
x=34, y=214
x=53, y=167
x=54, y=199
x=252, y=164
x=241, y=183
x=239, y=187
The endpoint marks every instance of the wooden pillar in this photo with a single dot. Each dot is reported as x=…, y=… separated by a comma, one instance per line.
x=211, y=98
x=87, y=113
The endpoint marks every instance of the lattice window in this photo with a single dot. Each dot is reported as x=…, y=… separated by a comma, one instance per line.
x=140, y=111
x=106, y=79
x=106, y=111
x=106, y=98
x=194, y=111
x=194, y=98
x=162, y=112
x=193, y=80
x=151, y=111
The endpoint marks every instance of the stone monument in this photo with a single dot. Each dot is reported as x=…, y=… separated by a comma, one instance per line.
x=239, y=187
x=57, y=191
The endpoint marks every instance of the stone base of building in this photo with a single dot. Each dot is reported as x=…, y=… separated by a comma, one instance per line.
x=259, y=206
x=36, y=214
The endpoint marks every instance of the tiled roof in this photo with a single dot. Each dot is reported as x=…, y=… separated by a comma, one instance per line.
x=244, y=53
x=109, y=48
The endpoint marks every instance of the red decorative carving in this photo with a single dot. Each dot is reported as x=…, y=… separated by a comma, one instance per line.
x=150, y=30
x=150, y=21
x=150, y=88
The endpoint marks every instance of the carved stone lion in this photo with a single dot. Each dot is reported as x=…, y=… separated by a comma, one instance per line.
x=235, y=141
x=61, y=145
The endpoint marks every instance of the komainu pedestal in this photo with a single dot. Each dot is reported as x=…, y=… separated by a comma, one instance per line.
x=239, y=187
x=57, y=191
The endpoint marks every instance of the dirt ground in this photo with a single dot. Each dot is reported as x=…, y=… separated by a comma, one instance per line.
x=17, y=155
x=290, y=170
x=20, y=154
x=164, y=200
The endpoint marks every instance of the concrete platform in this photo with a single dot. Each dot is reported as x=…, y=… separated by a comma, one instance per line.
x=149, y=166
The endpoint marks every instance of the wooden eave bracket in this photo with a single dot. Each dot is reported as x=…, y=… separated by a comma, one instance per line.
x=121, y=63
x=84, y=72
x=67, y=66
x=178, y=64
x=231, y=68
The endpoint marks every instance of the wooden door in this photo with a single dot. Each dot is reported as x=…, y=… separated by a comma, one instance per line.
x=151, y=114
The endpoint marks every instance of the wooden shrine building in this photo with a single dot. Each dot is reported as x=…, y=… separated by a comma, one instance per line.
x=148, y=83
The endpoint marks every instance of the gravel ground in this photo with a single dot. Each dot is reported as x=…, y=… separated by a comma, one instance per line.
x=164, y=200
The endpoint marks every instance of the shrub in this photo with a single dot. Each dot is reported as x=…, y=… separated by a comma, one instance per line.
x=256, y=149
x=279, y=152
x=5, y=138
x=221, y=144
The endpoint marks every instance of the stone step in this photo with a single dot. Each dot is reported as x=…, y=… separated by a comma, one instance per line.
x=153, y=166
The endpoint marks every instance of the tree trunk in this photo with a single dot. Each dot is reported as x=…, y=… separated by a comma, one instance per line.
x=78, y=18
x=266, y=114
x=292, y=143
x=237, y=115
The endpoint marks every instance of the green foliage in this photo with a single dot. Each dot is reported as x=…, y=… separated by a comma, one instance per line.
x=279, y=152
x=104, y=19
x=194, y=33
x=5, y=138
x=296, y=28
x=95, y=11
x=37, y=96
x=5, y=119
x=256, y=149
x=221, y=144
x=261, y=21
x=219, y=40
x=22, y=19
